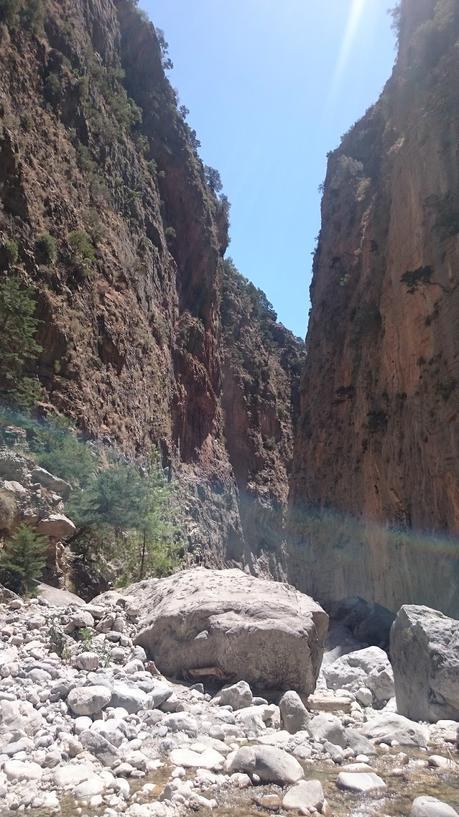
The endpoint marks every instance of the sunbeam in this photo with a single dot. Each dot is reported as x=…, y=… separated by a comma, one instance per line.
x=355, y=16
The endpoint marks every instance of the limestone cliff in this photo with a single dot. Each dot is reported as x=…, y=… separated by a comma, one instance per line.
x=261, y=371
x=121, y=238
x=375, y=496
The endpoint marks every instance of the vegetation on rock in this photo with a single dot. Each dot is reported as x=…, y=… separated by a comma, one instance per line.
x=19, y=349
x=22, y=560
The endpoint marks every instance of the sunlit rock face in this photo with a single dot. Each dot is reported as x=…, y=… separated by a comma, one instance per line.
x=378, y=442
x=134, y=350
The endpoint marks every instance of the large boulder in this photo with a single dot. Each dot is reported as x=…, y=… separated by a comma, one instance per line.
x=56, y=525
x=57, y=597
x=236, y=625
x=425, y=658
x=363, y=668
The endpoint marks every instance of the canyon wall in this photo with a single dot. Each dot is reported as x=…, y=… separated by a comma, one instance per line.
x=121, y=237
x=375, y=490
x=151, y=338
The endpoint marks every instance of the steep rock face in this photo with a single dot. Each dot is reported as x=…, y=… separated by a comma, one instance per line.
x=261, y=369
x=93, y=148
x=378, y=436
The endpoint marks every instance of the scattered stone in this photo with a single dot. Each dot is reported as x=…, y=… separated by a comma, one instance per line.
x=327, y=727
x=304, y=796
x=81, y=620
x=87, y=661
x=271, y=765
x=388, y=727
x=99, y=746
x=368, y=668
x=360, y=782
x=158, y=695
x=89, y=700
x=71, y=774
x=325, y=703
x=181, y=722
x=189, y=759
x=55, y=484
x=431, y=807
x=293, y=713
x=440, y=762
x=21, y=770
x=364, y=696
x=130, y=698
x=89, y=788
x=237, y=696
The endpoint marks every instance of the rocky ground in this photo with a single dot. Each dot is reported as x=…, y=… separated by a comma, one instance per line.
x=88, y=724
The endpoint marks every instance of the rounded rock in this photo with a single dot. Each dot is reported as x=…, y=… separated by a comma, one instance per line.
x=88, y=700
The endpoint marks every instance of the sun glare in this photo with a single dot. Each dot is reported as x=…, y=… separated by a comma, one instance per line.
x=355, y=15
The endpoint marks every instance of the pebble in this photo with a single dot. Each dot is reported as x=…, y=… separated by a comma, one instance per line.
x=93, y=732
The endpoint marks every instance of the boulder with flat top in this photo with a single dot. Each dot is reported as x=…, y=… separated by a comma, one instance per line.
x=251, y=629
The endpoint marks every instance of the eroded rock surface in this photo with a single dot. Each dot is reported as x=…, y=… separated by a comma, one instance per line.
x=241, y=627
x=377, y=447
x=425, y=658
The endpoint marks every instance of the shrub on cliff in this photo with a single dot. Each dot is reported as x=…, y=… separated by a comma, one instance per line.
x=9, y=11
x=60, y=450
x=22, y=560
x=19, y=349
x=82, y=250
x=46, y=249
x=29, y=13
x=9, y=253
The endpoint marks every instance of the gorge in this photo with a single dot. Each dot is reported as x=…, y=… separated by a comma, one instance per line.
x=333, y=465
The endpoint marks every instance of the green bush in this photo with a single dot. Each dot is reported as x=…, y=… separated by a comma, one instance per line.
x=9, y=11
x=23, y=559
x=53, y=88
x=82, y=248
x=10, y=252
x=33, y=15
x=60, y=450
x=170, y=234
x=19, y=349
x=46, y=249
x=26, y=121
x=213, y=179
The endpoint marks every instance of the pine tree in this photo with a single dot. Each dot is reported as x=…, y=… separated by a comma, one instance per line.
x=156, y=537
x=18, y=346
x=112, y=497
x=23, y=559
x=128, y=512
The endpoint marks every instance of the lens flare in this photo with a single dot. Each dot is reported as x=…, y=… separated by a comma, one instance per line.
x=355, y=15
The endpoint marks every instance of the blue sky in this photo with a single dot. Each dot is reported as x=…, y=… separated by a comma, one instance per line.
x=271, y=85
